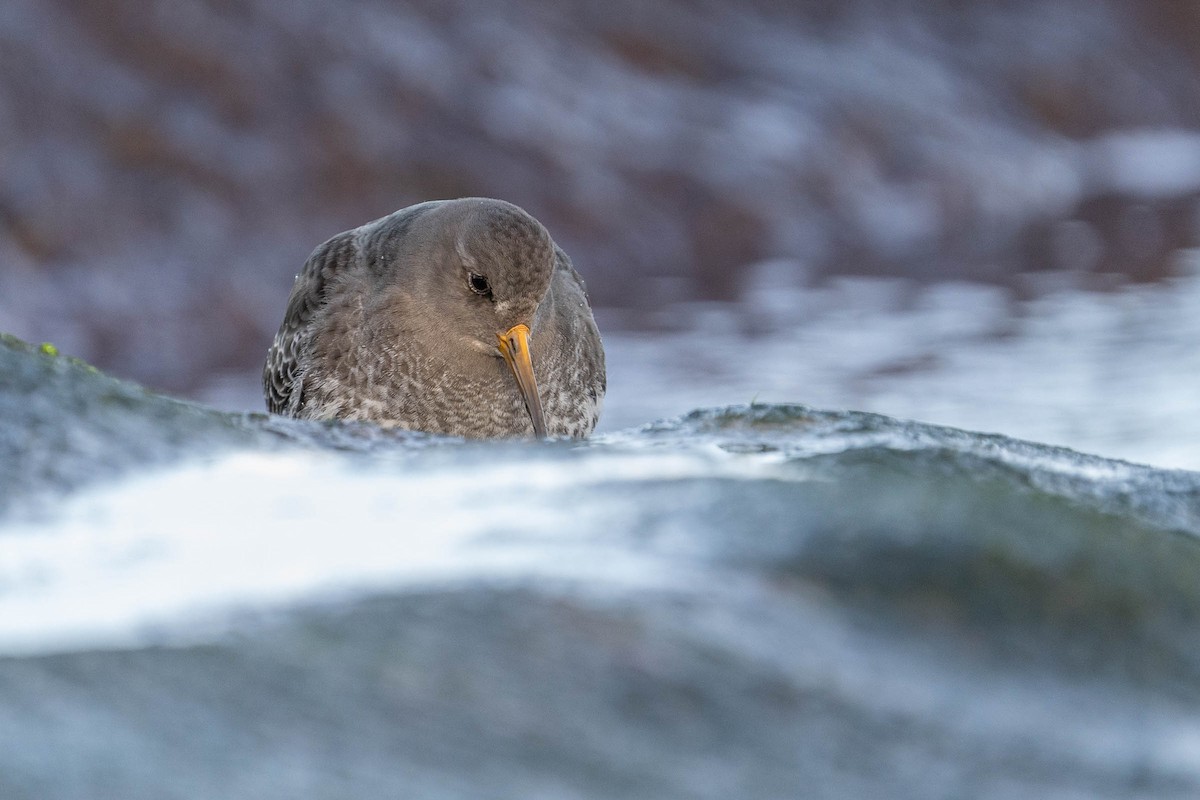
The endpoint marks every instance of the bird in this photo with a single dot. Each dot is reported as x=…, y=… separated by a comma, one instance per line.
x=459, y=317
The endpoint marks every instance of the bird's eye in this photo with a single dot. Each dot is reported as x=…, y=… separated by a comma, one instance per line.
x=479, y=284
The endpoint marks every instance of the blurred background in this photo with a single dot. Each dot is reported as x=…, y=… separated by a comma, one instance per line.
x=978, y=214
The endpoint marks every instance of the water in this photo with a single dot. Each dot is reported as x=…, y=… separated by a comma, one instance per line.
x=1116, y=373
x=760, y=601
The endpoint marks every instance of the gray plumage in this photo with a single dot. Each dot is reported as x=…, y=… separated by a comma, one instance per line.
x=387, y=322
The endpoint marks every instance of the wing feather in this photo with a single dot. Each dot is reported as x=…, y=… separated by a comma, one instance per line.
x=287, y=360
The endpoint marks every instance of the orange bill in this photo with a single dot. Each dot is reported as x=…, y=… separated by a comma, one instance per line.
x=514, y=346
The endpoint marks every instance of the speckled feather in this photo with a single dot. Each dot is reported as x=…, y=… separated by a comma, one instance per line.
x=381, y=325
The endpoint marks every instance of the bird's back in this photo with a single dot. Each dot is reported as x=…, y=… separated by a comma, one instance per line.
x=289, y=354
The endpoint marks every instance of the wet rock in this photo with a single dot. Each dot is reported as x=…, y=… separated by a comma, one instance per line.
x=754, y=601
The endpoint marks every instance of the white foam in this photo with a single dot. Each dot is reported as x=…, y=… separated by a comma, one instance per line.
x=267, y=530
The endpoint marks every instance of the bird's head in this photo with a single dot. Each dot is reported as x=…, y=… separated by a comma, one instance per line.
x=493, y=263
